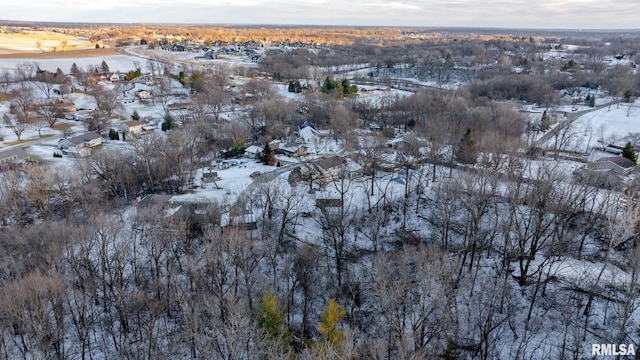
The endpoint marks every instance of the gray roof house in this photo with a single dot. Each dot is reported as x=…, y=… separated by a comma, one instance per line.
x=9, y=157
x=89, y=140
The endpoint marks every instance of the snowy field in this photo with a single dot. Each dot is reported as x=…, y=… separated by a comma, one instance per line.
x=121, y=63
x=615, y=125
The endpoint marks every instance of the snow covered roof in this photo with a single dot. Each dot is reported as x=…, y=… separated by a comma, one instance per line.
x=307, y=133
x=253, y=149
x=620, y=161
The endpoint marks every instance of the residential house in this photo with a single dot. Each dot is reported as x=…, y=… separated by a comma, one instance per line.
x=87, y=140
x=252, y=152
x=288, y=149
x=197, y=215
x=144, y=94
x=244, y=221
x=329, y=169
x=618, y=164
x=132, y=126
x=209, y=176
x=77, y=152
x=398, y=143
x=308, y=133
x=10, y=157
x=115, y=77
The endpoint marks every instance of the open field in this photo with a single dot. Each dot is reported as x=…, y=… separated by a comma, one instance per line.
x=91, y=52
x=41, y=42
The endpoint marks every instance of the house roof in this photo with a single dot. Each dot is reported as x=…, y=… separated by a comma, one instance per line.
x=84, y=137
x=330, y=162
x=253, y=149
x=154, y=200
x=620, y=161
x=308, y=132
x=290, y=147
x=20, y=153
x=134, y=123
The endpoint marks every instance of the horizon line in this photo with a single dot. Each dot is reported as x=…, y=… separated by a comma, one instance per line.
x=11, y=22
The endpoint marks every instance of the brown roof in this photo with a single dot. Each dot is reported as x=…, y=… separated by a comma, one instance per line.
x=330, y=162
x=132, y=123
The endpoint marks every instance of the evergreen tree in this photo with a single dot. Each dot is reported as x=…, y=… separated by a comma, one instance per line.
x=74, y=69
x=104, y=67
x=545, y=122
x=135, y=115
x=629, y=152
x=237, y=148
x=328, y=326
x=592, y=101
x=467, y=152
x=113, y=135
x=168, y=123
x=267, y=156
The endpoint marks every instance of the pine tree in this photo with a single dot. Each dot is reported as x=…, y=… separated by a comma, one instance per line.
x=545, y=122
x=113, y=135
x=592, y=101
x=135, y=115
x=328, y=326
x=629, y=152
x=168, y=123
x=74, y=69
x=267, y=156
x=104, y=67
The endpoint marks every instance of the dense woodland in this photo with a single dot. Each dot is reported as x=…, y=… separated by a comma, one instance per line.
x=491, y=251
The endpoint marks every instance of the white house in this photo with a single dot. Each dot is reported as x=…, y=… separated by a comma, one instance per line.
x=133, y=126
x=252, y=152
x=308, y=133
x=144, y=94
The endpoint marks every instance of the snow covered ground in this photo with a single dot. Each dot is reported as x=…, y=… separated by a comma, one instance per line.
x=616, y=124
x=121, y=63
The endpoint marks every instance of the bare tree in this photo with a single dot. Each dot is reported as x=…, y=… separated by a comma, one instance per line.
x=106, y=99
x=18, y=125
x=50, y=113
x=6, y=79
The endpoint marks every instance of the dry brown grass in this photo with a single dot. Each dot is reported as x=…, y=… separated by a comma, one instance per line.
x=62, y=126
x=62, y=54
x=35, y=42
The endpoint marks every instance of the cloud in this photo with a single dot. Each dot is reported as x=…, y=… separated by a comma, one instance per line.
x=487, y=13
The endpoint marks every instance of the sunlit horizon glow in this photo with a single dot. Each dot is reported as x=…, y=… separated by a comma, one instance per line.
x=540, y=14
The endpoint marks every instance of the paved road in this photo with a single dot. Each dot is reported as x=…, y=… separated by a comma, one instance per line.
x=24, y=145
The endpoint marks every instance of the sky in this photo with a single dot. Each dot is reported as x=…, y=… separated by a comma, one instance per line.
x=551, y=14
